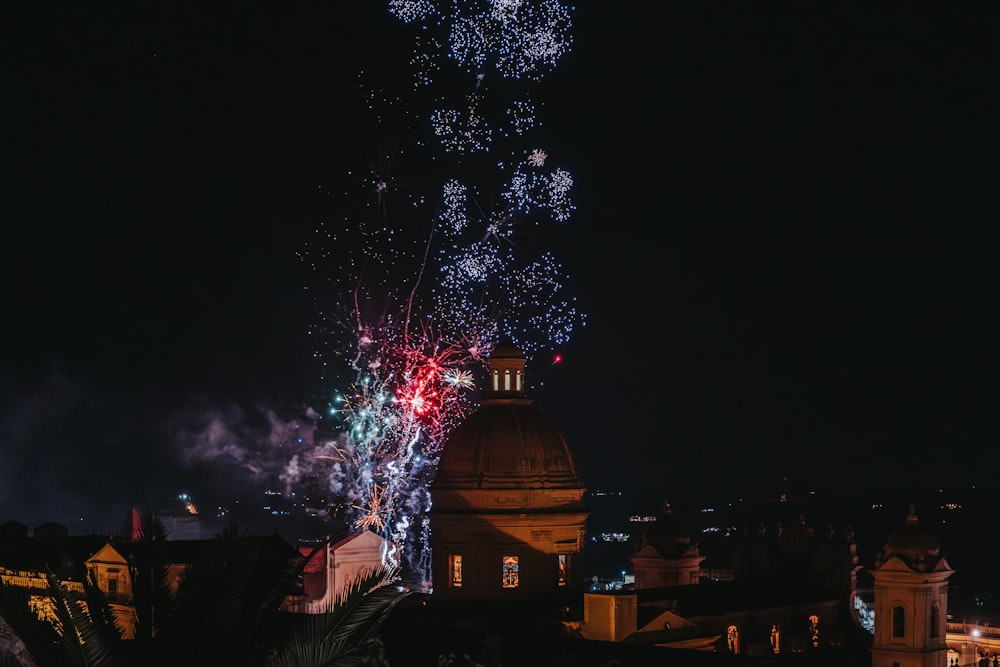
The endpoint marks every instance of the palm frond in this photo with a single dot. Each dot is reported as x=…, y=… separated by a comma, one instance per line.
x=38, y=635
x=86, y=643
x=101, y=613
x=347, y=632
x=150, y=574
x=227, y=602
x=362, y=608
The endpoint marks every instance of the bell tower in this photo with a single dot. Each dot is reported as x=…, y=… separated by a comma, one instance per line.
x=911, y=600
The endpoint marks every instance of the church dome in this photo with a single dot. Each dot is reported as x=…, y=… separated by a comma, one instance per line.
x=913, y=545
x=506, y=350
x=508, y=443
x=507, y=520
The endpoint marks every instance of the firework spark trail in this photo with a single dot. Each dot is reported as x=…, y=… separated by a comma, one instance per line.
x=412, y=316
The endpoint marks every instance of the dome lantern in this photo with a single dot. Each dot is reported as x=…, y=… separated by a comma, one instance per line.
x=506, y=367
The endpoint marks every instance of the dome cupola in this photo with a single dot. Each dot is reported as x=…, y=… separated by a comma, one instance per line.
x=913, y=545
x=668, y=536
x=507, y=443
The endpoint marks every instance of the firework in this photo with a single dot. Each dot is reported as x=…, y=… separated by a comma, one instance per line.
x=411, y=298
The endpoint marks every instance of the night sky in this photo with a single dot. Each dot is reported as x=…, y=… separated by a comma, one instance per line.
x=784, y=242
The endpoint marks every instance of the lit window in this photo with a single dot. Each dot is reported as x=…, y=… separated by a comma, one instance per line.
x=517, y=379
x=455, y=567
x=733, y=639
x=814, y=629
x=496, y=380
x=506, y=380
x=509, y=572
x=563, y=565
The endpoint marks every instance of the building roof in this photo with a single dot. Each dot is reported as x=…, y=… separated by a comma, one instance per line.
x=668, y=536
x=63, y=557
x=419, y=631
x=914, y=546
x=507, y=443
x=507, y=350
x=506, y=446
x=711, y=598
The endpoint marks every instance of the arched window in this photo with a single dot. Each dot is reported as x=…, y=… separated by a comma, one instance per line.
x=506, y=380
x=733, y=639
x=814, y=629
x=510, y=576
x=455, y=568
x=935, y=619
x=898, y=621
x=775, y=637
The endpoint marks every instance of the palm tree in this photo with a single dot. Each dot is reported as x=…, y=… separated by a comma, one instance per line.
x=346, y=634
x=89, y=632
x=149, y=568
x=40, y=639
x=227, y=601
x=223, y=609
x=83, y=633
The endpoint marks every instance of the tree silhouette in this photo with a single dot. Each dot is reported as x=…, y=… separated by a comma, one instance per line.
x=223, y=609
